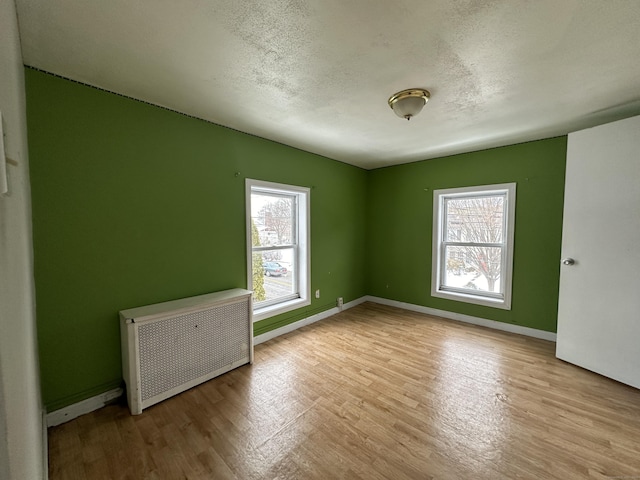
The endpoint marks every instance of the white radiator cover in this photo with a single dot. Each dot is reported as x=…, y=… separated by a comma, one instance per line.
x=170, y=347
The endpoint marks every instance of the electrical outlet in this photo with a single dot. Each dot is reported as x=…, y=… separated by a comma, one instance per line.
x=340, y=302
x=318, y=293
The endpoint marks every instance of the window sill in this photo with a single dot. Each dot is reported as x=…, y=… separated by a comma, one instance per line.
x=277, y=309
x=477, y=300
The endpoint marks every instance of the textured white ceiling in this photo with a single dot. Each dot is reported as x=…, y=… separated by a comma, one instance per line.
x=316, y=75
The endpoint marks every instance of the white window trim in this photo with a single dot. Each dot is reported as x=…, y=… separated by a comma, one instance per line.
x=304, y=250
x=438, y=226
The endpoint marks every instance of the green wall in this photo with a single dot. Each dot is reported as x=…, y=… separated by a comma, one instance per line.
x=134, y=204
x=400, y=214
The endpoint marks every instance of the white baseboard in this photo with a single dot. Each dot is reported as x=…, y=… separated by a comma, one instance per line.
x=305, y=321
x=67, y=414
x=483, y=322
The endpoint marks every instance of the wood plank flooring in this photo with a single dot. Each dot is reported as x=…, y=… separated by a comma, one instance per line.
x=372, y=393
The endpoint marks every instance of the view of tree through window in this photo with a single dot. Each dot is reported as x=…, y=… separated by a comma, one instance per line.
x=259, y=294
x=473, y=247
x=273, y=247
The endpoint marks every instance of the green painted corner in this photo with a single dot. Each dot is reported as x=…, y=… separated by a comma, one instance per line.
x=134, y=204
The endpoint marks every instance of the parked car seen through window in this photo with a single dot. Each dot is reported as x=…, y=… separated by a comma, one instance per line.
x=274, y=269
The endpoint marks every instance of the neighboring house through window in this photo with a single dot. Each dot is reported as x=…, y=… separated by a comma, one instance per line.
x=277, y=247
x=473, y=244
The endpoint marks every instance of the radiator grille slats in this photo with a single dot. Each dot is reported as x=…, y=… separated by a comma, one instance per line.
x=165, y=355
x=178, y=350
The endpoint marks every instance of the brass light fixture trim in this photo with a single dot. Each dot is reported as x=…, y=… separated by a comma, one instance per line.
x=404, y=103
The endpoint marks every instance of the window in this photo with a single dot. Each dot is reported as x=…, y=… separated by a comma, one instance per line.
x=473, y=244
x=277, y=247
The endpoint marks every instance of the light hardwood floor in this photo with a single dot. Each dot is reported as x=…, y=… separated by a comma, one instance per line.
x=372, y=393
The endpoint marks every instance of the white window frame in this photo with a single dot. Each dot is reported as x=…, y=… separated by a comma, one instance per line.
x=303, y=250
x=503, y=300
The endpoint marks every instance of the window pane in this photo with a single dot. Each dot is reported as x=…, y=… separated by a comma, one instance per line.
x=475, y=219
x=274, y=275
x=273, y=216
x=473, y=268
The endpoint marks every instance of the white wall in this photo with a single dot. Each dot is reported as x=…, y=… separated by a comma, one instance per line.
x=21, y=440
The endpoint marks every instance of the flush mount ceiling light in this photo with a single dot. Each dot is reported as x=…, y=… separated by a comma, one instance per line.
x=409, y=103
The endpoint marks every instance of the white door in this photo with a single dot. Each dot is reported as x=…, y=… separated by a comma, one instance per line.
x=599, y=306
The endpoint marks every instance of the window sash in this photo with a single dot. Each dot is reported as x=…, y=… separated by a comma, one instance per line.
x=273, y=247
x=471, y=244
x=469, y=291
x=295, y=279
x=471, y=196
